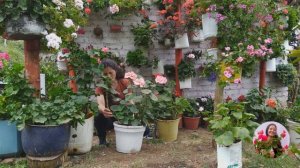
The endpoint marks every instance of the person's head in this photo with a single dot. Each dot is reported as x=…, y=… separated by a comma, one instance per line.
x=112, y=69
x=271, y=130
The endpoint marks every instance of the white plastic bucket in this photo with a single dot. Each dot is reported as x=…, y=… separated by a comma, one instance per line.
x=81, y=138
x=159, y=69
x=209, y=24
x=198, y=36
x=129, y=139
x=230, y=156
x=186, y=84
x=271, y=65
x=212, y=53
x=182, y=41
x=295, y=137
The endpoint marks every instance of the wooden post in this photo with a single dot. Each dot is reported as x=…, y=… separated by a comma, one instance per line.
x=178, y=57
x=219, y=91
x=262, y=75
x=32, y=62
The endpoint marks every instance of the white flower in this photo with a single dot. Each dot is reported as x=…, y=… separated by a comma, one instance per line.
x=114, y=9
x=201, y=108
x=59, y=3
x=74, y=35
x=191, y=56
x=197, y=104
x=68, y=23
x=78, y=4
x=53, y=41
x=204, y=99
x=44, y=32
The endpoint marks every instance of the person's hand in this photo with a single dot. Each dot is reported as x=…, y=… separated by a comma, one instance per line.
x=107, y=113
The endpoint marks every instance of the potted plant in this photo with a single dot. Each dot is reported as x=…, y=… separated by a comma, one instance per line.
x=231, y=125
x=143, y=34
x=28, y=19
x=167, y=109
x=191, y=115
x=131, y=114
x=136, y=58
x=45, y=122
x=293, y=123
x=15, y=93
x=186, y=68
x=286, y=73
x=205, y=105
x=120, y=9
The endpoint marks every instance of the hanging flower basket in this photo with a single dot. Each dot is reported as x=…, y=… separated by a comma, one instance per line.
x=25, y=28
x=182, y=41
x=271, y=65
x=210, y=28
x=115, y=28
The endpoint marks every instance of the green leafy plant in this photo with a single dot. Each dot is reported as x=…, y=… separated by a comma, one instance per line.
x=143, y=34
x=16, y=91
x=186, y=68
x=209, y=71
x=131, y=111
x=230, y=123
x=192, y=110
x=136, y=58
x=286, y=73
x=261, y=104
x=59, y=106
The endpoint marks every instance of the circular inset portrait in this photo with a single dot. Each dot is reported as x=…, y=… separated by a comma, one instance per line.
x=271, y=139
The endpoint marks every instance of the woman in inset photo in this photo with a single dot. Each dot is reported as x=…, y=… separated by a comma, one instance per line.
x=270, y=141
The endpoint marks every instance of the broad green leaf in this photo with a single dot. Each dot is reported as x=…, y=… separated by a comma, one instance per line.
x=226, y=139
x=240, y=133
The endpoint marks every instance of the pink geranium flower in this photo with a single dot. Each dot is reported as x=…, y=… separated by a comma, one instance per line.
x=237, y=80
x=139, y=82
x=239, y=59
x=130, y=75
x=105, y=49
x=268, y=40
x=227, y=74
x=161, y=79
x=5, y=56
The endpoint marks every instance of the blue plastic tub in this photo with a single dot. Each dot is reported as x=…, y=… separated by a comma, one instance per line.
x=10, y=140
x=45, y=141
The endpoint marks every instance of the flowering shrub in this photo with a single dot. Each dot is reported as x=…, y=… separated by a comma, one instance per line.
x=186, y=68
x=3, y=57
x=263, y=106
x=269, y=146
x=61, y=18
x=123, y=8
x=138, y=95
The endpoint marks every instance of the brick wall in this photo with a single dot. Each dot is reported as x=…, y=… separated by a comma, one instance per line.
x=122, y=42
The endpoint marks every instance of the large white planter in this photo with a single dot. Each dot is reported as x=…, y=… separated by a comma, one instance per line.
x=212, y=53
x=186, y=84
x=230, y=156
x=295, y=137
x=198, y=36
x=209, y=24
x=271, y=65
x=129, y=139
x=182, y=41
x=159, y=69
x=81, y=138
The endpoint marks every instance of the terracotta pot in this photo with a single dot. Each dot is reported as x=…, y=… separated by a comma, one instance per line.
x=115, y=28
x=191, y=123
